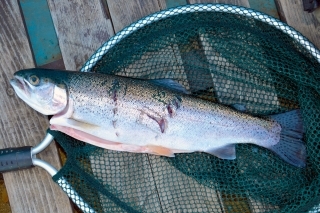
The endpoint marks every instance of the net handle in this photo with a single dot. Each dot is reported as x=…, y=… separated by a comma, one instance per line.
x=13, y=159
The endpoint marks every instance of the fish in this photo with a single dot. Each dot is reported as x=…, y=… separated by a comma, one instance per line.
x=155, y=116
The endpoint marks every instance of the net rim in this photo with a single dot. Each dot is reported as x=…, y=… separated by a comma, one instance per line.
x=226, y=8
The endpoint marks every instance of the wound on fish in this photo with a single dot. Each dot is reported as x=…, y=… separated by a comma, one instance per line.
x=115, y=110
x=114, y=96
x=114, y=123
x=173, y=106
x=161, y=121
x=170, y=111
x=163, y=124
x=115, y=87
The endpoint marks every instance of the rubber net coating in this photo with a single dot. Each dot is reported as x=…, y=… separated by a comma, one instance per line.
x=223, y=54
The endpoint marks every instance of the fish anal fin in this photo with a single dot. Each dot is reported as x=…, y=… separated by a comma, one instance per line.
x=160, y=150
x=226, y=152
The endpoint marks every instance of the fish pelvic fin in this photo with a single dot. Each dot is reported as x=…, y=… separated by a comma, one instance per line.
x=159, y=150
x=291, y=147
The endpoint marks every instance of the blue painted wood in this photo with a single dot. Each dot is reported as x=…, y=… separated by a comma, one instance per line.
x=265, y=6
x=42, y=35
x=174, y=3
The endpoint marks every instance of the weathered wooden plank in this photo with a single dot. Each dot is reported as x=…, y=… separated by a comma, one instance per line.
x=234, y=91
x=316, y=14
x=239, y=93
x=43, y=38
x=258, y=207
x=130, y=178
x=265, y=6
x=124, y=12
x=180, y=193
x=81, y=26
x=172, y=3
x=30, y=190
x=169, y=65
x=210, y=81
x=291, y=11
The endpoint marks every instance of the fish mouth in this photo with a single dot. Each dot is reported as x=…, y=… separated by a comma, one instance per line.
x=18, y=82
x=20, y=87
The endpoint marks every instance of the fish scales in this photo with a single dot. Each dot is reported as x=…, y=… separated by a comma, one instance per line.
x=197, y=126
x=142, y=116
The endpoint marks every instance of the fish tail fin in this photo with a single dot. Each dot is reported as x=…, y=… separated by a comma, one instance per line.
x=291, y=147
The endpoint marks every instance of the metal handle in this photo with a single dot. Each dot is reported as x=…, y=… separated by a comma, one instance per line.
x=42, y=145
x=12, y=159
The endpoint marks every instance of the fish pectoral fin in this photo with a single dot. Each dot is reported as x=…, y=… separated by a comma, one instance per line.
x=160, y=150
x=69, y=122
x=225, y=152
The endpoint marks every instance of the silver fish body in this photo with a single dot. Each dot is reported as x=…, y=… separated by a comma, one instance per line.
x=138, y=116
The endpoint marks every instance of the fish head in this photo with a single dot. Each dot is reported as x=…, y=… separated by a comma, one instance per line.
x=40, y=90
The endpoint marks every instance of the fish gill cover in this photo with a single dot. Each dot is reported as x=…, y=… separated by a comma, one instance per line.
x=225, y=54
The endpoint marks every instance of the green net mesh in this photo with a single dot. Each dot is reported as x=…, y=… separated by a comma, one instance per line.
x=224, y=54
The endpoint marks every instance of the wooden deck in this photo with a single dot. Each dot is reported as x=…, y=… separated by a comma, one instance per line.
x=64, y=34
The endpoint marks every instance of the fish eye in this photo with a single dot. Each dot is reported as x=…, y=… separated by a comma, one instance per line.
x=34, y=80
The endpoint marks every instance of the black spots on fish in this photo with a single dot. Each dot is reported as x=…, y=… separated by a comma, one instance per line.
x=160, y=96
x=104, y=83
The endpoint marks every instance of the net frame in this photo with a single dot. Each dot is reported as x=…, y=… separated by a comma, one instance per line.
x=226, y=8
x=105, y=48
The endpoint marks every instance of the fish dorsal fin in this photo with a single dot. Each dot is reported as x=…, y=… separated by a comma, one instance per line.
x=226, y=152
x=170, y=84
x=239, y=107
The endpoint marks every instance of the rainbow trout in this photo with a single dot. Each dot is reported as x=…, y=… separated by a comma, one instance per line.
x=155, y=117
